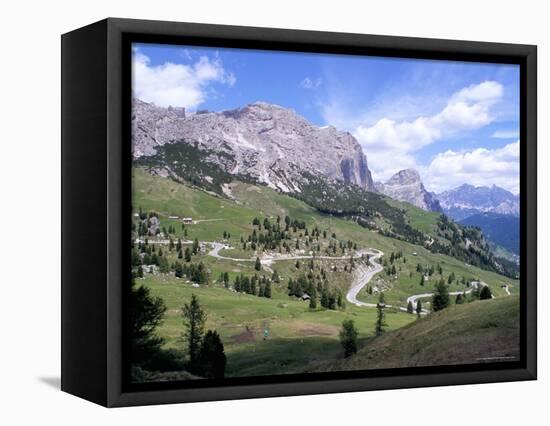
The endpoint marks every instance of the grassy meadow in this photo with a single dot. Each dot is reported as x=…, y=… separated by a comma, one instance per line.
x=299, y=339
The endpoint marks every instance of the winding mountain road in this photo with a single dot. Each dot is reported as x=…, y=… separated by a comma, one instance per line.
x=363, y=276
x=267, y=260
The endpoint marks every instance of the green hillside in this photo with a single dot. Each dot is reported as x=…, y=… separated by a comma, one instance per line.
x=186, y=163
x=481, y=331
x=250, y=201
x=300, y=338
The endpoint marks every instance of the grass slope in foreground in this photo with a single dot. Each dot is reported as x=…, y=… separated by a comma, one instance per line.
x=482, y=331
x=298, y=336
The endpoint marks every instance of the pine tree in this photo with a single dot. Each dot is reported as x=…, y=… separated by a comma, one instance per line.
x=194, y=318
x=140, y=271
x=196, y=246
x=212, y=358
x=340, y=301
x=178, y=270
x=164, y=267
x=187, y=254
x=410, y=308
x=146, y=314
x=418, y=308
x=440, y=299
x=348, y=337
x=451, y=278
x=380, y=326
x=485, y=293
x=313, y=301
x=267, y=290
x=257, y=264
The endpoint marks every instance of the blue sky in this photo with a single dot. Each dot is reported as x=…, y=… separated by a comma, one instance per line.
x=454, y=122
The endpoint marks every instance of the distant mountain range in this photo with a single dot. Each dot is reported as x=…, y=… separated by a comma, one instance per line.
x=468, y=200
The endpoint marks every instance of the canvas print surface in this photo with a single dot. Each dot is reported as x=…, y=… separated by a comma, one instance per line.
x=306, y=213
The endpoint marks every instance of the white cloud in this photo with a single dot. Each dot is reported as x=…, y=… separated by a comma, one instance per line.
x=389, y=143
x=505, y=134
x=308, y=83
x=177, y=84
x=478, y=167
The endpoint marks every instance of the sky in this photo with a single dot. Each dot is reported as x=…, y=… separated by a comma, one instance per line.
x=454, y=122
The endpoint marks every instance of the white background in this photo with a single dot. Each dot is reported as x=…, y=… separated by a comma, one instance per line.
x=30, y=211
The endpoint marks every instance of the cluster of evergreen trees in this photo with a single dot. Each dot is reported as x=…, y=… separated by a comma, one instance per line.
x=319, y=292
x=389, y=262
x=197, y=273
x=257, y=286
x=148, y=254
x=142, y=226
x=287, y=235
x=430, y=270
x=441, y=298
x=205, y=350
x=142, y=229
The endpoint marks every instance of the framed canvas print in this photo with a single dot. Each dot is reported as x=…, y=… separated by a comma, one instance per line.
x=252, y=212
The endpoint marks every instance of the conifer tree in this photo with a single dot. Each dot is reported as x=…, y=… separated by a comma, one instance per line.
x=146, y=314
x=194, y=319
x=348, y=337
x=212, y=359
x=380, y=326
x=440, y=298
x=418, y=308
x=485, y=293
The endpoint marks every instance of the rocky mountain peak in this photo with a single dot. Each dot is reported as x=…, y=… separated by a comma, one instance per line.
x=406, y=185
x=405, y=177
x=263, y=141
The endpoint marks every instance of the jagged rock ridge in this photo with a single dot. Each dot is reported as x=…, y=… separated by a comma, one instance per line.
x=267, y=142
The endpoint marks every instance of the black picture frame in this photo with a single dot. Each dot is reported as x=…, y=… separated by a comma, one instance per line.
x=96, y=157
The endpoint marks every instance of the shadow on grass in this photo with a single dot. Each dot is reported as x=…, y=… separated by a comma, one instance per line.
x=280, y=356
